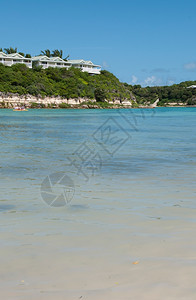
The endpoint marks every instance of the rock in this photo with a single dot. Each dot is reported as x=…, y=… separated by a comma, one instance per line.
x=126, y=103
x=11, y=100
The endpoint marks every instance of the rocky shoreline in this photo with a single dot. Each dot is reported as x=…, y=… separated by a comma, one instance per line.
x=29, y=101
x=10, y=101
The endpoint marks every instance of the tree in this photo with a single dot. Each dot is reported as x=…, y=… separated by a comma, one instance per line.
x=46, y=52
x=192, y=101
x=36, y=67
x=28, y=55
x=100, y=95
x=66, y=58
x=54, y=53
x=10, y=50
x=21, y=53
x=58, y=53
x=1, y=50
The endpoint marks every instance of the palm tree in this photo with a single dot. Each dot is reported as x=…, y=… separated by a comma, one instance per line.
x=54, y=53
x=66, y=58
x=58, y=53
x=10, y=50
x=1, y=50
x=46, y=52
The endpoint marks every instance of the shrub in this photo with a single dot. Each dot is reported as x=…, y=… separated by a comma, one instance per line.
x=64, y=105
x=100, y=95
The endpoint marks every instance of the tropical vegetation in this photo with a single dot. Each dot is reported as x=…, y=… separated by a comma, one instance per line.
x=71, y=83
x=176, y=93
x=74, y=83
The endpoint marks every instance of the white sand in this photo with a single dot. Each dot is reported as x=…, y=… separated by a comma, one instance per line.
x=87, y=252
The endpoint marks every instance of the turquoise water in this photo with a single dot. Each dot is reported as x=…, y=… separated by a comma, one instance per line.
x=136, y=178
x=143, y=144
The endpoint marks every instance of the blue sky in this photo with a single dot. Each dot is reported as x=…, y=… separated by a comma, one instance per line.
x=141, y=42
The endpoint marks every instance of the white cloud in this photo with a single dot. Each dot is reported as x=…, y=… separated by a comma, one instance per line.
x=152, y=80
x=190, y=66
x=134, y=79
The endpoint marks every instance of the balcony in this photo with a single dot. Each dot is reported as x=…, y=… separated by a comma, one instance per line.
x=91, y=70
x=61, y=66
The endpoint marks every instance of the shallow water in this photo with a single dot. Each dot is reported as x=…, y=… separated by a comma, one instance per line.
x=133, y=199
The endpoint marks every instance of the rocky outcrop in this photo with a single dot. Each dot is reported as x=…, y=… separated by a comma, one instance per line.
x=10, y=100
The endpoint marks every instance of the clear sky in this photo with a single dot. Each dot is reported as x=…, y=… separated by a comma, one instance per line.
x=141, y=42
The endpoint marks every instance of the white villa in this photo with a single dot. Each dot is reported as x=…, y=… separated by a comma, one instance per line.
x=46, y=62
x=14, y=58
x=85, y=66
x=192, y=86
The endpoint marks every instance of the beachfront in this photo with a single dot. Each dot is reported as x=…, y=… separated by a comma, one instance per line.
x=128, y=230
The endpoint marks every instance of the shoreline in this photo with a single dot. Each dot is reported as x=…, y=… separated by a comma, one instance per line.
x=31, y=102
x=97, y=106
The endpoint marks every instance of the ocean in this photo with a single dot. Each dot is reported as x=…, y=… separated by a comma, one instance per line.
x=98, y=204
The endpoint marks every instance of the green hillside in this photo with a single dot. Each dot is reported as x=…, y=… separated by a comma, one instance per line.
x=72, y=83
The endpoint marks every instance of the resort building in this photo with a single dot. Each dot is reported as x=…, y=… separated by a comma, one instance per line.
x=46, y=62
x=192, y=86
x=85, y=66
x=14, y=58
